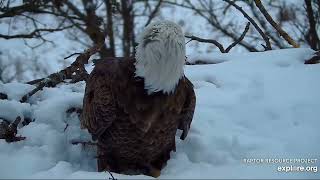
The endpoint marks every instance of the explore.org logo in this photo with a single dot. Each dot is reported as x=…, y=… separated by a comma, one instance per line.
x=298, y=169
x=287, y=164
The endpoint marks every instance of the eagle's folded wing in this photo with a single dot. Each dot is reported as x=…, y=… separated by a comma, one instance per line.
x=187, y=111
x=99, y=109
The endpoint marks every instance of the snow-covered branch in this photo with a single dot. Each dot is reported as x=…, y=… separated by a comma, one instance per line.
x=76, y=71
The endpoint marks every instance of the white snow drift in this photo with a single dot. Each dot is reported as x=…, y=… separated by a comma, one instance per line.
x=252, y=105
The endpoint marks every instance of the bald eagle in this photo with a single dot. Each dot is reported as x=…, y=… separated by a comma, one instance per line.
x=134, y=106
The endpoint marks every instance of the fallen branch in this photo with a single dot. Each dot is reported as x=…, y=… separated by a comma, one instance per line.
x=274, y=24
x=3, y=96
x=41, y=85
x=8, y=131
x=200, y=62
x=314, y=60
x=76, y=71
x=263, y=35
x=36, y=81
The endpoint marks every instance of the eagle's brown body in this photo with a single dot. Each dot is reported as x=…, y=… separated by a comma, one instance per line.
x=135, y=131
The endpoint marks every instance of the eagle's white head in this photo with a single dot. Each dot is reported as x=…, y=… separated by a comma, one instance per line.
x=160, y=56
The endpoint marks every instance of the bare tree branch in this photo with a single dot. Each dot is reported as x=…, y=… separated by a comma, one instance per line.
x=312, y=36
x=246, y=29
x=18, y=10
x=219, y=45
x=274, y=24
x=128, y=39
x=264, y=36
x=33, y=34
x=75, y=10
x=211, y=41
x=213, y=21
x=154, y=12
x=76, y=71
x=260, y=18
x=109, y=29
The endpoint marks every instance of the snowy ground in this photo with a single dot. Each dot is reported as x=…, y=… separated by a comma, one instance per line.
x=252, y=105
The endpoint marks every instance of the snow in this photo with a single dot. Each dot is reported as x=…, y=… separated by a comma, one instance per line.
x=15, y=90
x=249, y=105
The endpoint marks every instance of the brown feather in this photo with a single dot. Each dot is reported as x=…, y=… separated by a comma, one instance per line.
x=135, y=131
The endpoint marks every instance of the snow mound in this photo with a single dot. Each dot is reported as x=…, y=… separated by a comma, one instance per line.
x=254, y=105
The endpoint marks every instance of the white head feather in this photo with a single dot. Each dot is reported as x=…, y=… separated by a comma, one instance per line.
x=160, y=56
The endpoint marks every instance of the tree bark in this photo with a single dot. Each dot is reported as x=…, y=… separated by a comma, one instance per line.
x=312, y=36
x=109, y=28
x=128, y=19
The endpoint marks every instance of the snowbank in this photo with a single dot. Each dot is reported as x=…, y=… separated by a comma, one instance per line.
x=253, y=105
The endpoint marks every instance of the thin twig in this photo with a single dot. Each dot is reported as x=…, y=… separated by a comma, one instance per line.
x=72, y=55
x=112, y=177
x=240, y=38
x=154, y=12
x=274, y=24
x=211, y=18
x=65, y=128
x=264, y=36
x=34, y=34
x=256, y=13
